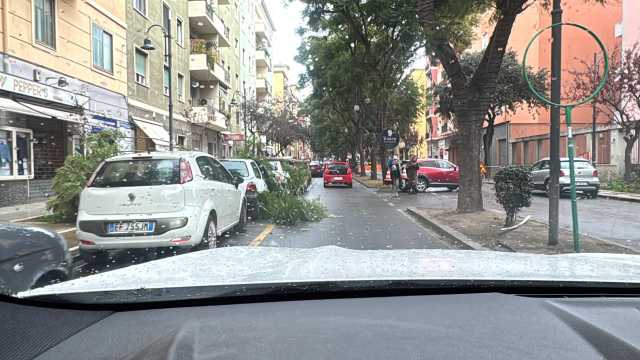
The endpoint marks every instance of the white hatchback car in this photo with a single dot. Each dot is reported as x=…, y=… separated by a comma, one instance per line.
x=253, y=183
x=177, y=199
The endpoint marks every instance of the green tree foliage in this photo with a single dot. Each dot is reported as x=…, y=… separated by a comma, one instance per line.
x=512, y=92
x=72, y=177
x=513, y=191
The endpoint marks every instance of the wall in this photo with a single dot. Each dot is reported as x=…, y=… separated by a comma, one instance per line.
x=73, y=54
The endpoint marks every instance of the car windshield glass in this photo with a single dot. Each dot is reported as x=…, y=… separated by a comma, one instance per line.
x=578, y=164
x=319, y=142
x=138, y=173
x=236, y=168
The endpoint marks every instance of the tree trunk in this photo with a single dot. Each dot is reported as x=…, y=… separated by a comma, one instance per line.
x=362, y=161
x=374, y=164
x=628, y=173
x=382, y=152
x=470, y=193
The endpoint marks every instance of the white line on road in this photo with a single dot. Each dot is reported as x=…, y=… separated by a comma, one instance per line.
x=66, y=230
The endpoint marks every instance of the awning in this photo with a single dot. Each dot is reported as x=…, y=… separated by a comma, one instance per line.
x=38, y=111
x=154, y=131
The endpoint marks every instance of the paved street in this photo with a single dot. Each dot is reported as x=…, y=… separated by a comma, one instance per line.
x=601, y=218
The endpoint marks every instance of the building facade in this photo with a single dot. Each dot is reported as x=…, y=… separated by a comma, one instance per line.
x=63, y=76
x=264, y=71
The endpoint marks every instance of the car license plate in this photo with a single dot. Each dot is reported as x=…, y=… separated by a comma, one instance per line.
x=582, y=184
x=337, y=178
x=135, y=227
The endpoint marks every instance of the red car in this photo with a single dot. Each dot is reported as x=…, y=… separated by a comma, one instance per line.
x=437, y=173
x=338, y=173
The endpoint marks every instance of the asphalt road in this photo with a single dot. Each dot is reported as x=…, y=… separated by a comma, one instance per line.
x=615, y=220
x=358, y=219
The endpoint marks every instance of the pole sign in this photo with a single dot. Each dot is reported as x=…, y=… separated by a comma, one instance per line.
x=390, y=139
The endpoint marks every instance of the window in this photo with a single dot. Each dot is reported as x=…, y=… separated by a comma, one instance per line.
x=102, y=49
x=210, y=148
x=166, y=23
x=128, y=173
x=179, y=32
x=166, y=80
x=220, y=173
x=181, y=141
x=44, y=22
x=141, y=67
x=256, y=170
x=180, y=86
x=16, y=153
x=141, y=6
x=237, y=168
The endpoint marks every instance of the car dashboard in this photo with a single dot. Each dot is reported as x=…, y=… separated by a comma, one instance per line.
x=460, y=326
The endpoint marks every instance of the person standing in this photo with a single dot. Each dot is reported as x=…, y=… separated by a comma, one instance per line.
x=394, y=172
x=412, y=173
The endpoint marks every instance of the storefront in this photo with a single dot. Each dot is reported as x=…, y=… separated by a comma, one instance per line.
x=44, y=117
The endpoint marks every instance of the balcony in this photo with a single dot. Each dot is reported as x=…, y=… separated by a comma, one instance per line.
x=263, y=32
x=263, y=59
x=204, y=20
x=203, y=63
x=263, y=86
x=209, y=116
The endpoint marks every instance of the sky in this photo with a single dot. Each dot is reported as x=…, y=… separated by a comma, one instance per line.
x=287, y=17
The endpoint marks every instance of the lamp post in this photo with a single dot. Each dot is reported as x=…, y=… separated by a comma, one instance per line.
x=554, y=134
x=148, y=46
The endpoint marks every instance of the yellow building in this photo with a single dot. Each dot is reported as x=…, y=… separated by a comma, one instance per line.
x=280, y=81
x=420, y=149
x=62, y=75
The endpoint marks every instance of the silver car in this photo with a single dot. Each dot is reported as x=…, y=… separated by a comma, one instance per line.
x=587, y=180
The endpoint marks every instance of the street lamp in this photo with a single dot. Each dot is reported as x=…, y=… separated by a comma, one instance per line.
x=147, y=45
x=356, y=108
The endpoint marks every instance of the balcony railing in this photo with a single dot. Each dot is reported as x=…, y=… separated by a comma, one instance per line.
x=208, y=47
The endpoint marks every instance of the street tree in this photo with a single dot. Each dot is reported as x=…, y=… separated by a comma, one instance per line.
x=620, y=97
x=375, y=41
x=512, y=93
x=448, y=27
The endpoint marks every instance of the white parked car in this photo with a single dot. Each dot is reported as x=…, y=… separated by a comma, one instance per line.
x=177, y=199
x=253, y=183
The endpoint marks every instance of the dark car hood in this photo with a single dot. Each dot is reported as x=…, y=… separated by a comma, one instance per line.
x=18, y=240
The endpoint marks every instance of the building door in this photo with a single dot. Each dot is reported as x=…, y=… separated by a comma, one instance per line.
x=604, y=147
x=502, y=152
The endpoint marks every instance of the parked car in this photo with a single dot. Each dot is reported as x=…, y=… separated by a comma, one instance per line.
x=437, y=173
x=177, y=199
x=31, y=257
x=316, y=169
x=253, y=183
x=587, y=180
x=338, y=173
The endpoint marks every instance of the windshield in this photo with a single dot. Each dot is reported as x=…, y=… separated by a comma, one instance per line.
x=137, y=173
x=287, y=141
x=237, y=168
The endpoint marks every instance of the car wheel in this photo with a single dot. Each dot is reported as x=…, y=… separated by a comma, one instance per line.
x=255, y=213
x=547, y=189
x=94, y=256
x=593, y=194
x=210, y=236
x=350, y=185
x=422, y=185
x=242, y=222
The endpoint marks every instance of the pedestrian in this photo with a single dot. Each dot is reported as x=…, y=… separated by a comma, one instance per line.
x=394, y=171
x=412, y=173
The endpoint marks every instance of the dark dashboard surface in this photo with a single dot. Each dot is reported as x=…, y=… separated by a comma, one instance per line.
x=465, y=326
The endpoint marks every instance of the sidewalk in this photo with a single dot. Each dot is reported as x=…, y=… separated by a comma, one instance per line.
x=612, y=195
x=22, y=212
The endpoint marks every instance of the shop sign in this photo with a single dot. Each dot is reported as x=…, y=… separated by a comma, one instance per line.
x=233, y=137
x=45, y=92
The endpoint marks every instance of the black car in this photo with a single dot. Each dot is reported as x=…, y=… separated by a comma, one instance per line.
x=316, y=169
x=31, y=257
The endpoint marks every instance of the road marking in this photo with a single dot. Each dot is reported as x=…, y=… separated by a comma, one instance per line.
x=66, y=230
x=25, y=219
x=262, y=236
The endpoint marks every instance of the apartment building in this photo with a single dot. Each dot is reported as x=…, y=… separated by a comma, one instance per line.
x=523, y=137
x=63, y=75
x=264, y=29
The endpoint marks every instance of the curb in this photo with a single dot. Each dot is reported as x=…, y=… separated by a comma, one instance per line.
x=444, y=230
x=356, y=178
x=616, y=197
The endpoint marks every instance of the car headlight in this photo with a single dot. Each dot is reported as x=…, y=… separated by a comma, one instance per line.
x=177, y=222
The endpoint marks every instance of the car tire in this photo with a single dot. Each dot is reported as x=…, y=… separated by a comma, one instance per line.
x=593, y=194
x=422, y=184
x=350, y=185
x=93, y=256
x=242, y=222
x=546, y=187
x=255, y=213
x=210, y=236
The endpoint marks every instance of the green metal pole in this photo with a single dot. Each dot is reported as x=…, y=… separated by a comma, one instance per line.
x=572, y=174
